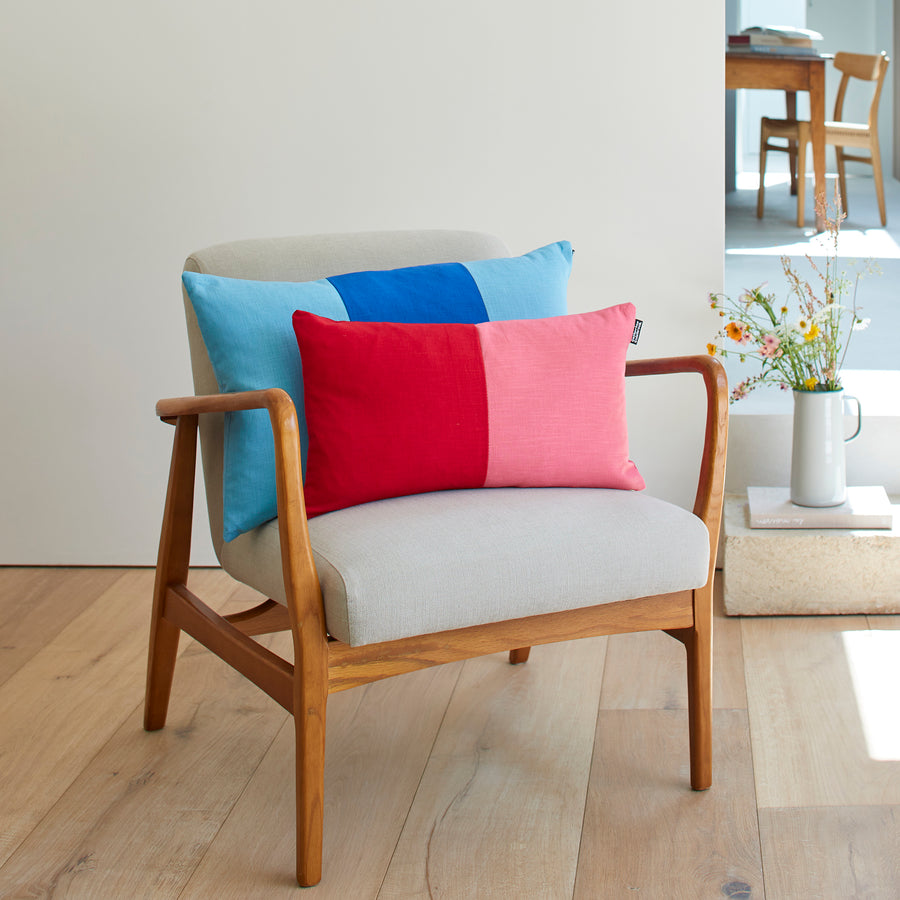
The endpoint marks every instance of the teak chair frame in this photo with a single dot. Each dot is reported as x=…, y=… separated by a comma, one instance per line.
x=838, y=134
x=323, y=665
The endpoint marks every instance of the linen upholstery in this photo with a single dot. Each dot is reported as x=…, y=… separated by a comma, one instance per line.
x=674, y=543
x=430, y=562
x=246, y=328
x=305, y=258
x=513, y=551
x=395, y=408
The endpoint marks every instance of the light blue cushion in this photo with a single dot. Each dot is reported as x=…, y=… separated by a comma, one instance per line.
x=247, y=330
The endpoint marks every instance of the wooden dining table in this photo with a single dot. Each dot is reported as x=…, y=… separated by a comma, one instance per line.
x=775, y=71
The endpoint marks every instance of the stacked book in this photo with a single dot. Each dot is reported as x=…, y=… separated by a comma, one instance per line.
x=865, y=507
x=781, y=39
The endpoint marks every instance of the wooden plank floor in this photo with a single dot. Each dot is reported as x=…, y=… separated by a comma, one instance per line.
x=566, y=777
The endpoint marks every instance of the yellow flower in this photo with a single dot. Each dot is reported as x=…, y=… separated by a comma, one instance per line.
x=711, y=349
x=813, y=332
x=810, y=384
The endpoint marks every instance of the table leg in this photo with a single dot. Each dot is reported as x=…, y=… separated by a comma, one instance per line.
x=817, y=135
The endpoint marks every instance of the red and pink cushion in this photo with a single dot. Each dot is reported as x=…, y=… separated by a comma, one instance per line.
x=395, y=409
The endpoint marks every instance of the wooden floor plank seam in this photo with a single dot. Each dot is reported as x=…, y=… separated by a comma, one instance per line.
x=593, y=761
x=635, y=825
x=419, y=783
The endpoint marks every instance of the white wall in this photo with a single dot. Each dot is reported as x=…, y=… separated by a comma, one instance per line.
x=135, y=133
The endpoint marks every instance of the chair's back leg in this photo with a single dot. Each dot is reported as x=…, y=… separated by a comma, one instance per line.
x=171, y=568
x=879, y=178
x=519, y=655
x=842, y=176
x=801, y=179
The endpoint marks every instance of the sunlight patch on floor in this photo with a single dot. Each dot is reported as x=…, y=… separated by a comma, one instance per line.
x=777, y=235
x=874, y=243
x=749, y=181
x=874, y=659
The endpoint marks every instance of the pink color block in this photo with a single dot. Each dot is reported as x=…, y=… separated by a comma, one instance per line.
x=556, y=400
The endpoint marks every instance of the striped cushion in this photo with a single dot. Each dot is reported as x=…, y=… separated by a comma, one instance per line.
x=396, y=409
x=246, y=327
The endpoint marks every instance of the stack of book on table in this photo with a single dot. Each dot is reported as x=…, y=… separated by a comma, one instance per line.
x=775, y=39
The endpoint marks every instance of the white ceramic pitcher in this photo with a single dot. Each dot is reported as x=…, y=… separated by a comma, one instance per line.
x=818, y=460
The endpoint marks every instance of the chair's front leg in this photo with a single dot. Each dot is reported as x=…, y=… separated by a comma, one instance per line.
x=160, y=671
x=171, y=568
x=708, y=507
x=698, y=643
x=310, y=700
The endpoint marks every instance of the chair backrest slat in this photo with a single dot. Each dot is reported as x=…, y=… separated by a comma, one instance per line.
x=865, y=67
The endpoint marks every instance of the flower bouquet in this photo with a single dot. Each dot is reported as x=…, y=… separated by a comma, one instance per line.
x=802, y=342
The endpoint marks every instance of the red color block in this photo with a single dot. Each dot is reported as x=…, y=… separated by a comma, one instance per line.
x=393, y=409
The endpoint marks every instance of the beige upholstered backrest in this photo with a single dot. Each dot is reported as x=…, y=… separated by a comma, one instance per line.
x=307, y=258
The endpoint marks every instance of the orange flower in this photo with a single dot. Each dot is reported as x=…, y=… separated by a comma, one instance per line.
x=737, y=331
x=711, y=349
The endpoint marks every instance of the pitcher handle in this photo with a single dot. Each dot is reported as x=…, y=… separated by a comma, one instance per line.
x=858, y=418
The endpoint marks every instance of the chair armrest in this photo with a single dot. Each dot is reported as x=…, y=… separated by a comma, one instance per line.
x=272, y=399
x=708, y=366
x=711, y=483
x=285, y=430
x=301, y=582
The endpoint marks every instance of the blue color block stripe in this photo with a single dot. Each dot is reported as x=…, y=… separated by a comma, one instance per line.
x=444, y=292
x=246, y=326
x=525, y=287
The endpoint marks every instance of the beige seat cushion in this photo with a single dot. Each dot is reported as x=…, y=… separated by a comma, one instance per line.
x=433, y=562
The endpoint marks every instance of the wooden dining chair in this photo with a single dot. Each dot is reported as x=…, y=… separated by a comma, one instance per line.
x=838, y=133
x=286, y=335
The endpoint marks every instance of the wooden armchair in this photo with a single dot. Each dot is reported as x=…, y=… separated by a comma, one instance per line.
x=574, y=539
